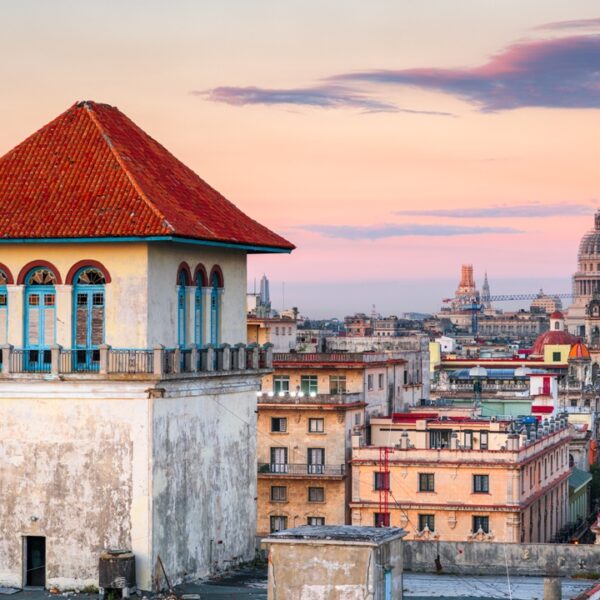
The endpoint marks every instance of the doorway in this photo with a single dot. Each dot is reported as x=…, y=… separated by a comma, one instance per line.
x=35, y=561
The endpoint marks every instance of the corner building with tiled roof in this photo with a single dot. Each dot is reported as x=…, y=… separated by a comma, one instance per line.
x=127, y=391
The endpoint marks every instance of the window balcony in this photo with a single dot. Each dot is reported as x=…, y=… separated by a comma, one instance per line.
x=139, y=363
x=301, y=470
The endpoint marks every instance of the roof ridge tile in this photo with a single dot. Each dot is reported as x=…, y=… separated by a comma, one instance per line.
x=88, y=106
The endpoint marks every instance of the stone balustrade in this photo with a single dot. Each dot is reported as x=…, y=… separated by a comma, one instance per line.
x=156, y=362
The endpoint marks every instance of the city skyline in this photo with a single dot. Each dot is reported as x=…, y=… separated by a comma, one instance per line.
x=390, y=142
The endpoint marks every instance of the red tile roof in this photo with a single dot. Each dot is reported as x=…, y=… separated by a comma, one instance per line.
x=92, y=172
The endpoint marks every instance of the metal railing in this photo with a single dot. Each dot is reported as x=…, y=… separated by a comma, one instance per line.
x=158, y=361
x=301, y=469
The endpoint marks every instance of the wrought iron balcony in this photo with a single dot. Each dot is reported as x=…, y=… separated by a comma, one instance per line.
x=155, y=362
x=304, y=470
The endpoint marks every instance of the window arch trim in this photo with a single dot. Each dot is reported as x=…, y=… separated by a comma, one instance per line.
x=200, y=274
x=216, y=270
x=82, y=264
x=185, y=268
x=37, y=264
x=6, y=271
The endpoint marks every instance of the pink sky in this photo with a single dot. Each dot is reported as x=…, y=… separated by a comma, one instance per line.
x=325, y=120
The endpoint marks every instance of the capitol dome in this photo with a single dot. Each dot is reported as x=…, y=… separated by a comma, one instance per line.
x=587, y=279
x=590, y=242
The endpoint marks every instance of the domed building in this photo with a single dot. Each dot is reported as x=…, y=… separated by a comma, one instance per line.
x=586, y=280
x=554, y=345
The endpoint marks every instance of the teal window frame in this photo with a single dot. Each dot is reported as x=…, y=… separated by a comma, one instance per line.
x=181, y=309
x=86, y=356
x=215, y=310
x=37, y=355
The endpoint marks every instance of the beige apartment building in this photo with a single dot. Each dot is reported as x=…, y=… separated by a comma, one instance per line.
x=304, y=447
x=307, y=411
x=463, y=479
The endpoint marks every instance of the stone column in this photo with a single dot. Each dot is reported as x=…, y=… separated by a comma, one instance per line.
x=16, y=315
x=64, y=315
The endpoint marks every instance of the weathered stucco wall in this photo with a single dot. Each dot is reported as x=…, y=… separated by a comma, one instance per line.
x=164, y=260
x=324, y=570
x=73, y=461
x=204, y=475
x=484, y=558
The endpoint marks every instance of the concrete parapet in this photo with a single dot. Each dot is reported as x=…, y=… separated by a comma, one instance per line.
x=492, y=558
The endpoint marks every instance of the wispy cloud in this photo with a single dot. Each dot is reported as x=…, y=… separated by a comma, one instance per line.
x=573, y=24
x=377, y=232
x=506, y=211
x=324, y=96
x=554, y=73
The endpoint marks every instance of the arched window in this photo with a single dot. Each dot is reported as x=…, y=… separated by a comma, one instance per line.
x=88, y=317
x=216, y=285
x=3, y=307
x=40, y=318
x=199, y=285
x=182, y=282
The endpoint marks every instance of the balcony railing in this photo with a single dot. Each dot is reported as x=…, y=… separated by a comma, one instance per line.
x=156, y=362
x=312, y=357
x=302, y=398
x=299, y=469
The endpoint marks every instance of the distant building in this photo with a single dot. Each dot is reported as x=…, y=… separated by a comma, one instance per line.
x=544, y=303
x=485, y=294
x=512, y=326
x=414, y=349
x=281, y=332
x=387, y=326
x=358, y=325
x=586, y=280
x=466, y=293
x=461, y=479
x=259, y=304
x=379, y=379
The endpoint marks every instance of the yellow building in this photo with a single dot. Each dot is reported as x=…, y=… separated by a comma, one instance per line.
x=461, y=479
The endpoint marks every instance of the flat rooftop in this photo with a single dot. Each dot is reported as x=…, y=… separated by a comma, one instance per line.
x=347, y=533
x=251, y=584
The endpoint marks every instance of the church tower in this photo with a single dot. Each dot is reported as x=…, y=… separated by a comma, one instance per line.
x=485, y=293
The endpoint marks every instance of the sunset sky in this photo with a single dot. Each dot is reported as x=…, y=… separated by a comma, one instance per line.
x=389, y=140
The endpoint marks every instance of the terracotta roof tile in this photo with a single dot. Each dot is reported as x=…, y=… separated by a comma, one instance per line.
x=93, y=173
